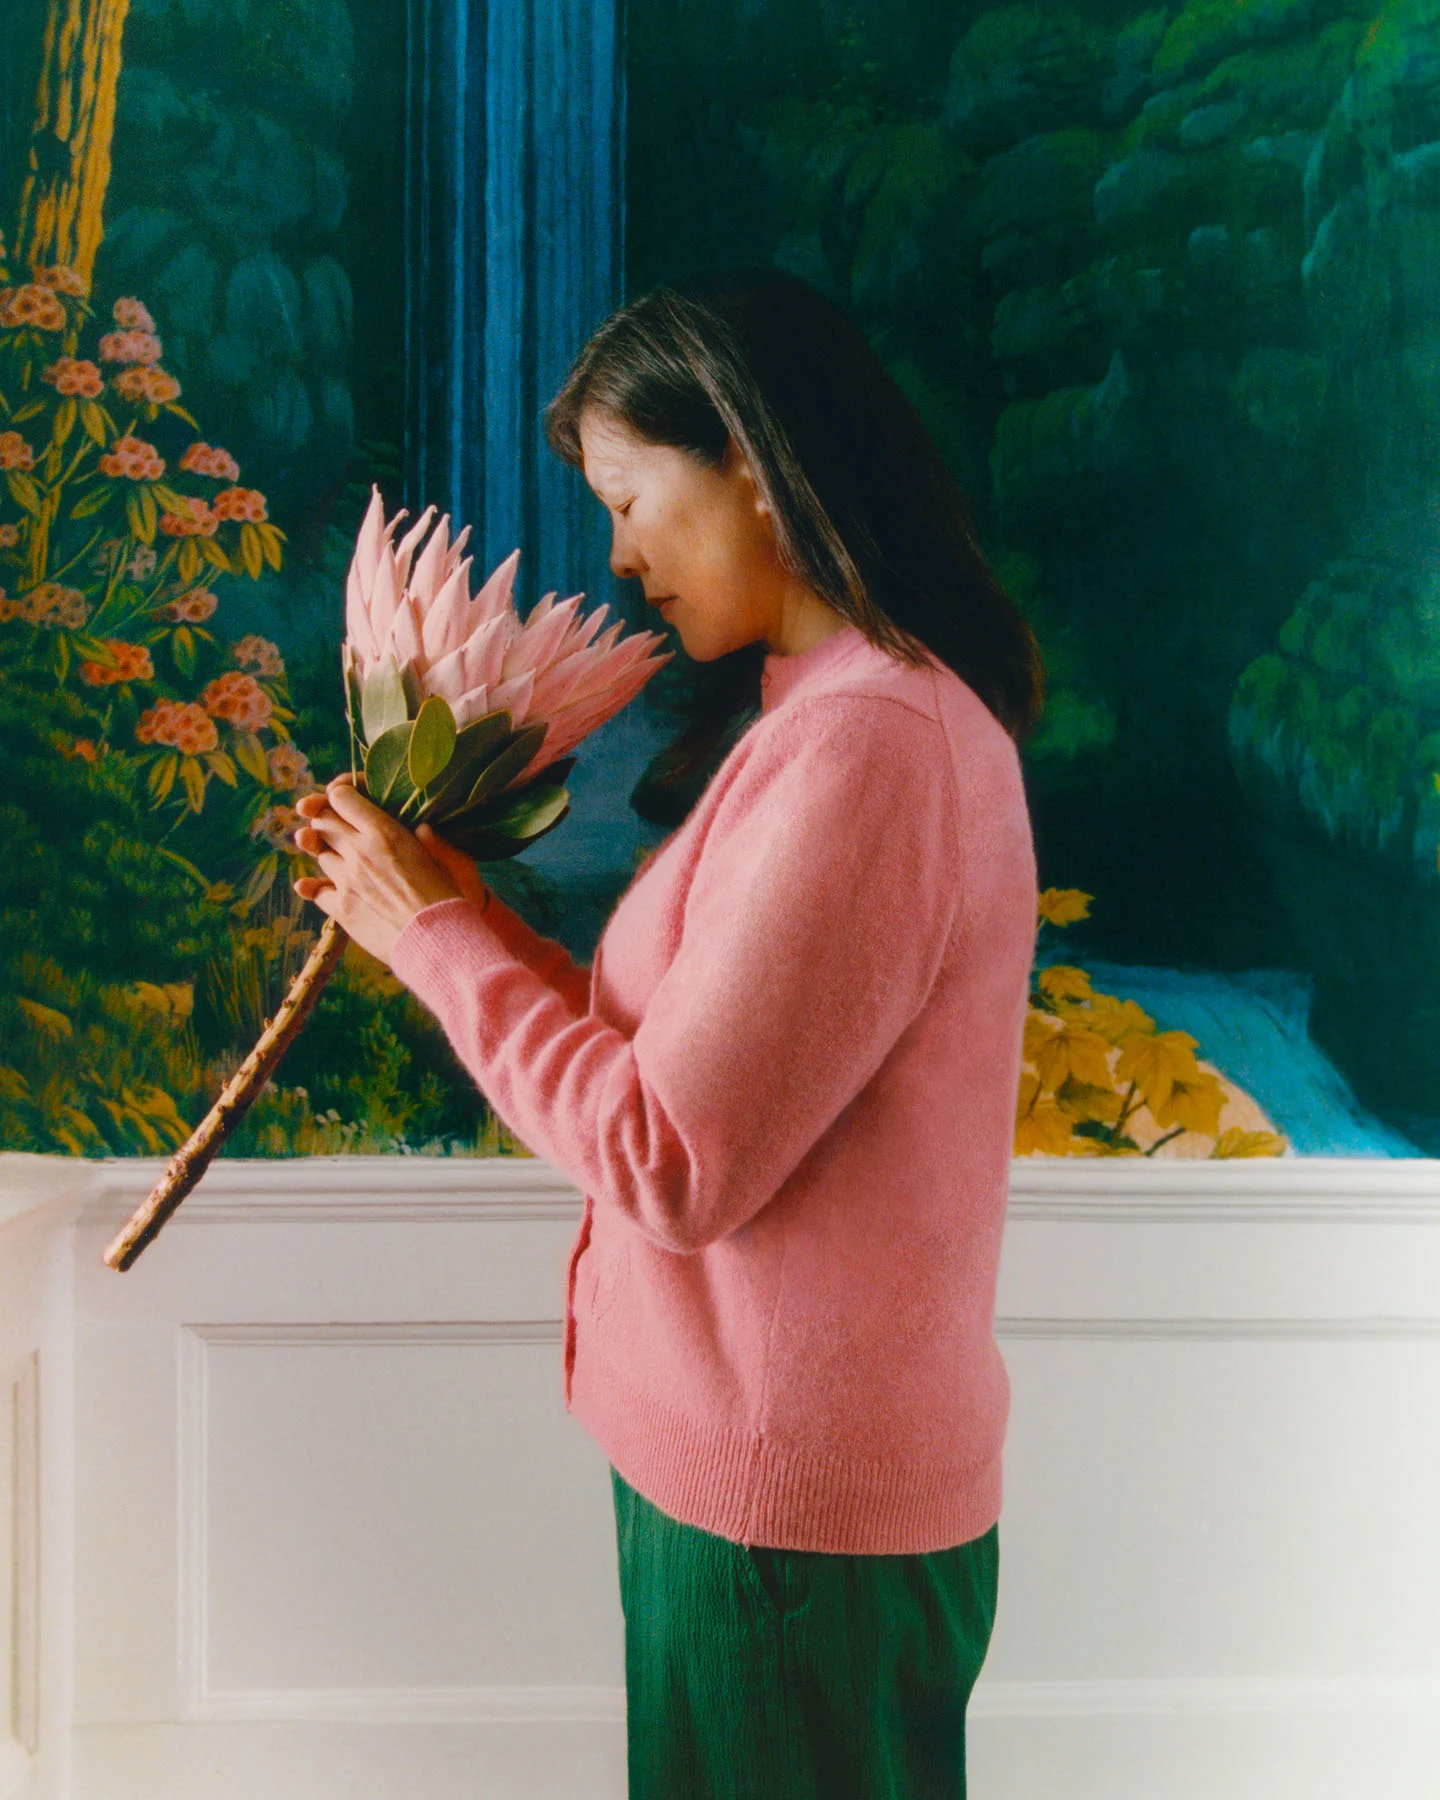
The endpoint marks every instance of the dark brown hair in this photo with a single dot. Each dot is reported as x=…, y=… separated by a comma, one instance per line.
x=865, y=510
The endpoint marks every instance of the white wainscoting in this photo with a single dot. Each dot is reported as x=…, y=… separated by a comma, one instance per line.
x=309, y=1494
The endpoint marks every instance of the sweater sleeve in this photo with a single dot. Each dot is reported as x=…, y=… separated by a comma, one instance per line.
x=814, y=927
x=545, y=958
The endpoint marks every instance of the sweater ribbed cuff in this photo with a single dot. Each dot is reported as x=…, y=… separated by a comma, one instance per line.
x=441, y=937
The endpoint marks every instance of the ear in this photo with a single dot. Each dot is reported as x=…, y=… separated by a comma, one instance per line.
x=737, y=466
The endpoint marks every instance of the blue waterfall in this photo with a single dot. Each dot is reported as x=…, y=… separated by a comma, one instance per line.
x=515, y=252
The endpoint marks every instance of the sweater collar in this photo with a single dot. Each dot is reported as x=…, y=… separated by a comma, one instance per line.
x=783, y=674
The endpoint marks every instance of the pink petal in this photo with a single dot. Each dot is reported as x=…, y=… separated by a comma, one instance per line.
x=357, y=617
x=483, y=652
x=384, y=596
x=538, y=642
x=514, y=696
x=555, y=685
x=445, y=620
x=406, y=547
x=403, y=642
x=494, y=598
x=430, y=568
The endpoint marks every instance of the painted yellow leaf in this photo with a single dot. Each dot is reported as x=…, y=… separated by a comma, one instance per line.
x=1248, y=1143
x=1195, y=1105
x=1063, y=906
x=1041, y=1129
x=1156, y=1063
x=1060, y=982
x=45, y=1019
x=1074, y=1052
x=1081, y=1100
x=13, y=1085
x=1115, y=1019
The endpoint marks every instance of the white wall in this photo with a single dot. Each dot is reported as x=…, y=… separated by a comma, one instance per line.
x=334, y=1535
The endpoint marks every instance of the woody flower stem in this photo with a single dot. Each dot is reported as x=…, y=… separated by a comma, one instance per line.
x=192, y=1159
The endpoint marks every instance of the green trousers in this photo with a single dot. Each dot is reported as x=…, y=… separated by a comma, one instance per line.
x=766, y=1674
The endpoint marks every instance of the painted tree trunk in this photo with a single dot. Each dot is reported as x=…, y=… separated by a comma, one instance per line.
x=68, y=170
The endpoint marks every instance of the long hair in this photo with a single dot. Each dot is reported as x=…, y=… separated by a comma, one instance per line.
x=864, y=509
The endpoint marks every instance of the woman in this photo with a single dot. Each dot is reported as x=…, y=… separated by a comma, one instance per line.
x=787, y=1085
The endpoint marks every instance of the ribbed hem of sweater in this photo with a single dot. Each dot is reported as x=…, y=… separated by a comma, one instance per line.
x=751, y=1490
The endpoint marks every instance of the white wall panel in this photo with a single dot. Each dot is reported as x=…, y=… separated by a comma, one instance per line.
x=335, y=1535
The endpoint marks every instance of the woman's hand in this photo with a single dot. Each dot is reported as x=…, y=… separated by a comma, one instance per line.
x=376, y=875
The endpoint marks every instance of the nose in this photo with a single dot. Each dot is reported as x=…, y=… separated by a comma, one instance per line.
x=625, y=558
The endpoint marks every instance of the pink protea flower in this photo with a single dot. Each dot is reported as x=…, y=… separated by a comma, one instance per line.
x=477, y=654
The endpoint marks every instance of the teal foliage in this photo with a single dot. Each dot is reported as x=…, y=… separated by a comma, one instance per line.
x=1346, y=716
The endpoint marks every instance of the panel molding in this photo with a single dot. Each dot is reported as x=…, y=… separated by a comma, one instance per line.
x=20, y=1387
x=197, y=1699
x=1142, y=1697
x=510, y=1190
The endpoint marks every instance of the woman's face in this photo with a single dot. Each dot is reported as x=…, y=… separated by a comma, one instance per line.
x=699, y=539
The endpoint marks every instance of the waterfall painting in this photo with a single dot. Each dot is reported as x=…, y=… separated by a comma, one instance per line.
x=1165, y=282
x=1162, y=280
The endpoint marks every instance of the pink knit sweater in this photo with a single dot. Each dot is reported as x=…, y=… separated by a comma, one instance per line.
x=787, y=1090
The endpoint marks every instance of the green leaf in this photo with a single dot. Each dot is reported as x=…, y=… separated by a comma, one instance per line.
x=90, y=503
x=270, y=544
x=182, y=648
x=414, y=698
x=149, y=514
x=65, y=416
x=92, y=417
x=386, y=778
x=187, y=563
x=508, y=764
x=475, y=745
x=432, y=741
x=27, y=412
x=535, y=811
x=382, y=700
x=486, y=844
x=23, y=490
x=220, y=764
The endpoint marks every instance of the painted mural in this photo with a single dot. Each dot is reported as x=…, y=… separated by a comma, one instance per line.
x=1165, y=281
x=1161, y=281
